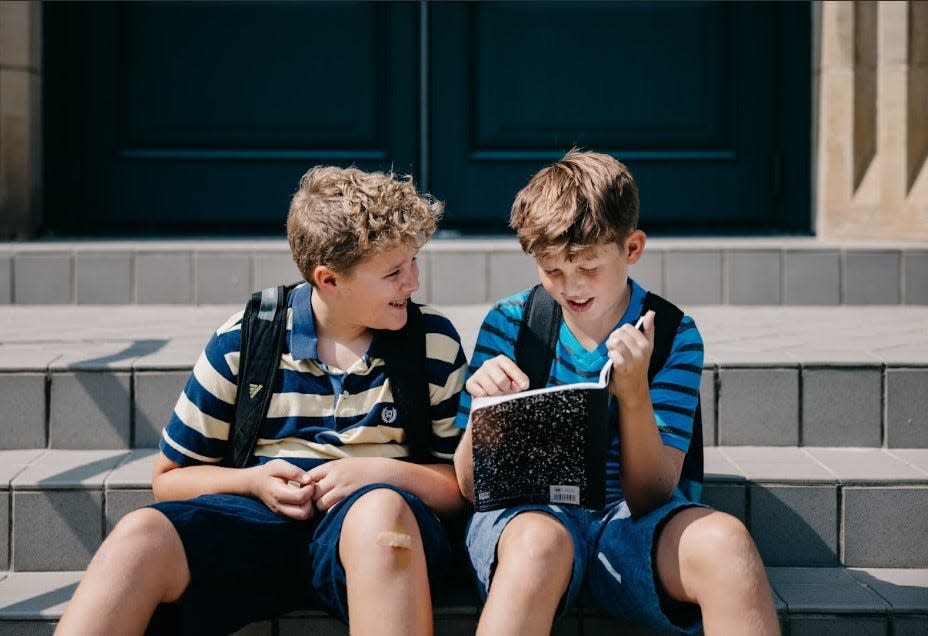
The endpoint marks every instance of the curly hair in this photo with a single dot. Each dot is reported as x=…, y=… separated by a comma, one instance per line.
x=341, y=216
x=584, y=199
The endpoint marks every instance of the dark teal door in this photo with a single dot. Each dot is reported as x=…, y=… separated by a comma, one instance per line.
x=706, y=102
x=200, y=117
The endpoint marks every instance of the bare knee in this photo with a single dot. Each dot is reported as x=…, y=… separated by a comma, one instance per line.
x=717, y=548
x=537, y=541
x=145, y=540
x=380, y=522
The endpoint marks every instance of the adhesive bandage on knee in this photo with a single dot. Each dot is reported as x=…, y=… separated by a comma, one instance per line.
x=395, y=540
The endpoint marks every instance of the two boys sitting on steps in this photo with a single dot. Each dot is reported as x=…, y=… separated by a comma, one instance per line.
x=331, y=511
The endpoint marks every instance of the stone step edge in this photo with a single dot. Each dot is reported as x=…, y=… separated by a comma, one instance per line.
x=42, y=596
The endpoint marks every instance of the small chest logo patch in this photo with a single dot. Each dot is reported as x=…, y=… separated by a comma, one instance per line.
x=253, y=389
x=388, y=414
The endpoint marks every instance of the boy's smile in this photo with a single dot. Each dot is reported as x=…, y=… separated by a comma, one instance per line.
x=373, y=295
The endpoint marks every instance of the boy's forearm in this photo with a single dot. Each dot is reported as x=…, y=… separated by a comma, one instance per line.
x=172, y=482
x=464, y=465
x=435, y=484
x=649, y=474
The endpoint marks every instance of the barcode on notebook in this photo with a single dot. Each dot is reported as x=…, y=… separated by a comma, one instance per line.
x=565, y=494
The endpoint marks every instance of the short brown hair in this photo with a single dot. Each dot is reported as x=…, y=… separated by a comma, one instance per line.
x=341, y=216
x=584, y=199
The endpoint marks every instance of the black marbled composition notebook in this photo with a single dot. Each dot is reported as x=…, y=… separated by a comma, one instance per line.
x=541, y=446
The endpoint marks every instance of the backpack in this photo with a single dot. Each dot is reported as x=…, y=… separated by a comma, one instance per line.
x=537, y=342
x=264, y=330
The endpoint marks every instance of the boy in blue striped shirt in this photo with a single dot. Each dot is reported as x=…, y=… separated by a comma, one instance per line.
x=650, y=556
x=327, y=511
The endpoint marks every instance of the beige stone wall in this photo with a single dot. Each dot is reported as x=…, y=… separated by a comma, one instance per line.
x=20, y=117
x=872, y=120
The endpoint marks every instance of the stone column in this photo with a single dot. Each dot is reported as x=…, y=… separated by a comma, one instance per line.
x=872, y=136
x=20, y=118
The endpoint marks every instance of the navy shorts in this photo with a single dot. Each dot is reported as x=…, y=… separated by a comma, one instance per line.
x=613, y=568
x=247, y=563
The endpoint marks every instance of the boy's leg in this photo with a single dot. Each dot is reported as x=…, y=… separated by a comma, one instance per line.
x=362, y=571
x=535, y=559
x=384, y=560
x=667, y=567
x=529, y=562
x=709, y=558
x=140, y=564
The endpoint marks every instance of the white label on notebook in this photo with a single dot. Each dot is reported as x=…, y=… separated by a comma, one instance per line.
x=565, y=494
x=483, y=495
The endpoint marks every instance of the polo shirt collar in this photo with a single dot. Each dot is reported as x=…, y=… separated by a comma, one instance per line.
x=303, y=339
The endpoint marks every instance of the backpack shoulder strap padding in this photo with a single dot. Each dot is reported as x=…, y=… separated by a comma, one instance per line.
x=264, y=328
x=404, y=357
x=537, y=340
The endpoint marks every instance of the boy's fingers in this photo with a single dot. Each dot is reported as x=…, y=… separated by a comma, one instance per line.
x=649, y=325
x=513, y=372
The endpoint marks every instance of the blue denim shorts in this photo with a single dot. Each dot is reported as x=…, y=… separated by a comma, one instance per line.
x=613, y=568
x=247, y=563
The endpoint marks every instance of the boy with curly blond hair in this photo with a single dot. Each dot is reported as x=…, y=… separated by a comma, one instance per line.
x=327, y=511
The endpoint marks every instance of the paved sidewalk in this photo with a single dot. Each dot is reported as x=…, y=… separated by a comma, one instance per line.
x=158, y=336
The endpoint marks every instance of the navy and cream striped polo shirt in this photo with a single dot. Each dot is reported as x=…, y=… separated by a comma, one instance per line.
x=674, y=391
x=314, y=415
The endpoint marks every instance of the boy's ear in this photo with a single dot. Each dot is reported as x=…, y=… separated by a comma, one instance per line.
x=634, y=246
x=325, y=278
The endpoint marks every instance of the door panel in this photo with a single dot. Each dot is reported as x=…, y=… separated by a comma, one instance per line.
x=681, y=92
x=204, y=115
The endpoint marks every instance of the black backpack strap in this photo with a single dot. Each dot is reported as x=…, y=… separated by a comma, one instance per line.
x=667, y=317
x=405, y=360
x=537, y=340
x=264, y=328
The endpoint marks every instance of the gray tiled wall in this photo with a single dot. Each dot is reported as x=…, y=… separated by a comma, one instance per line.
x=758, y=407
x=841, y=407
x=155, y=396
x=915, y=283
x=871, y=278
x=812, y=278
x=22, y=403
x=89, y=410
x=688, y=273
x=223, y=278
x=458, y=278
x=104, y=279
x=6, y=278
x=885, y=526
x=693, y=278
x=56, y=529
x=754, y=277
x=907, y=408
x=795, y=525
x=42, y=279
x=4, y=529
x=163, y=278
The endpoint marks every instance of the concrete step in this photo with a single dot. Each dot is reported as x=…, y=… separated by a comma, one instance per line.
x=97, y=377
x=709, y=270
x=804, y=506
x=810, y=602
